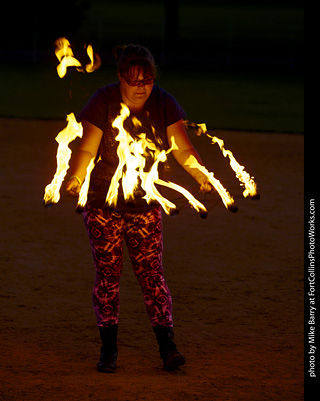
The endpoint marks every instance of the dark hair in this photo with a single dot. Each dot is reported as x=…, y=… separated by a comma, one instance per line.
x=130, y=56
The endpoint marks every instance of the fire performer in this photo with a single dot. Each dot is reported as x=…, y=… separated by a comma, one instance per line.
x=137, y=223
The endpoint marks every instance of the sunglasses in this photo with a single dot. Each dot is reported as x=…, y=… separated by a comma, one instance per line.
x=137, y=82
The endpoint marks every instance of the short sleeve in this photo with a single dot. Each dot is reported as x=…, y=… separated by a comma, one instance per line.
x=96, y=110
x=173, y=111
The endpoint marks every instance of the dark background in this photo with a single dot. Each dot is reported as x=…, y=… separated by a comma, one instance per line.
x=246, y=34
x=245, y=59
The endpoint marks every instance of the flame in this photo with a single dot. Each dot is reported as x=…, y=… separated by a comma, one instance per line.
x=245, y=179
x=132, y=155
x=198, y=206
x=131, y=166
x=131, y=169
x=149, y=179
x=72, y=131
x=123, y=150
x=241, y=174
x=67, y=135
x=225, y=196
x=95, y=60
x=83, y=195
x=64, y=54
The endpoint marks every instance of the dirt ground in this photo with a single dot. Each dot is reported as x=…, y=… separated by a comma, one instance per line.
x=236, y=281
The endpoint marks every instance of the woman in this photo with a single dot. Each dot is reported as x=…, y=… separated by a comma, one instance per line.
x=138, y=223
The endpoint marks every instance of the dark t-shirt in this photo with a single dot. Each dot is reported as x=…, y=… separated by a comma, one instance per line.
x=160, y=111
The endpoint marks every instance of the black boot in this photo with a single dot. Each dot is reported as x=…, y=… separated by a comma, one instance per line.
x=171, y=357
x=109, y=349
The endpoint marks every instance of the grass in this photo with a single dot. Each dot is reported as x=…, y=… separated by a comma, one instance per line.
x=241, y=101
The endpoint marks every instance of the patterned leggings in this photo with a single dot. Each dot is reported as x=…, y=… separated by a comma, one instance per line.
x=142, y=233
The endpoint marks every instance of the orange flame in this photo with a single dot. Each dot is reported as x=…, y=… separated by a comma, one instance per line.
x=148, y=184
x=83, y=194
x=122, y=151
x=132, y=161
x=64, y=54
x=224, y=194
x=245, y=179
x=198, y=206
x=67, y=135
x=73, y=130
x=241, y=174
x=95, y=60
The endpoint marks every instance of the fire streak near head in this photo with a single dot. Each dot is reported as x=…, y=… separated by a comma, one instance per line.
x=64, y=54
x=131, y=172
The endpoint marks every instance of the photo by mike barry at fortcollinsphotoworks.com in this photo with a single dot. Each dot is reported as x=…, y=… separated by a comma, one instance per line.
x=310, y=297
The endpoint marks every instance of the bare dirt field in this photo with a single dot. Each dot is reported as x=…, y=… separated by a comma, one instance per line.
x=236, y=280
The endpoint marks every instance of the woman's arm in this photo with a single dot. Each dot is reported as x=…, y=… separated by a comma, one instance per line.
x=87, y=150
x=178, y=132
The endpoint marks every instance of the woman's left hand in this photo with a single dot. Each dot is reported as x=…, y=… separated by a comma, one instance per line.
x=73, y=187
x=206, y=186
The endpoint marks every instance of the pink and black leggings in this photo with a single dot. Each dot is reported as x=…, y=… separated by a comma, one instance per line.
x=142, y=233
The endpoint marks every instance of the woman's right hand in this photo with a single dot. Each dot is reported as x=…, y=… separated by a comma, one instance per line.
x=73, y=187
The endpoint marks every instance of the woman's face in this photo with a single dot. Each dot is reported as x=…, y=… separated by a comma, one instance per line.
x=136, y=95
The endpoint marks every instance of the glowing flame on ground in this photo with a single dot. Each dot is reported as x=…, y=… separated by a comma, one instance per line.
x=67, y=135
x=245, y=179
x=65, y=55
